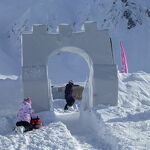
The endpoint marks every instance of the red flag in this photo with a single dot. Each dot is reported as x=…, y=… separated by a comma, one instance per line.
x=124, y=66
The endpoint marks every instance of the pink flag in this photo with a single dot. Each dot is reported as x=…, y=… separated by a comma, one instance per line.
x=124, y=66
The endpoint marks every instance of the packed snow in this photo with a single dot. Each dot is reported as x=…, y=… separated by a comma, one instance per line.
x=126, y=126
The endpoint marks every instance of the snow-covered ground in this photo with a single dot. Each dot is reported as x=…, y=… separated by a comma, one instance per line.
x=122, y=127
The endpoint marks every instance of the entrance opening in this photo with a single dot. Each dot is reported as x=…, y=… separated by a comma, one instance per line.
x=64, y=65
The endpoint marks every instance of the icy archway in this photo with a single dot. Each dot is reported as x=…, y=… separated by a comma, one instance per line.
x=92, y=44
x=89, y=98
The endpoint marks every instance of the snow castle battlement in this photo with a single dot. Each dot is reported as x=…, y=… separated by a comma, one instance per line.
x=92, y=44
x=64, y=28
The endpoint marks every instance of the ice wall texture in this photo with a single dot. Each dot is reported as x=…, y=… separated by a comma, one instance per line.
x=97, y=53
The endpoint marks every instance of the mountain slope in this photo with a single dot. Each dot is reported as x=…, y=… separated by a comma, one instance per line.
x=127, y=20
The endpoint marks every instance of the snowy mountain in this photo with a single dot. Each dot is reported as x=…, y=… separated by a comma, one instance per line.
x=127, y=20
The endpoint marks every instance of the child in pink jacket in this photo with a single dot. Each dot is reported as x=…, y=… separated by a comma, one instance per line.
x=24, y=114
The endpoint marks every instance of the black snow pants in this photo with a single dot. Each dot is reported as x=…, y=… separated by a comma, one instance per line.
x=25, y=124
x=70, y=101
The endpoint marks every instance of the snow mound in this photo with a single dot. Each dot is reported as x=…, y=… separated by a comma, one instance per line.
x=53, y=136
x=129, y=122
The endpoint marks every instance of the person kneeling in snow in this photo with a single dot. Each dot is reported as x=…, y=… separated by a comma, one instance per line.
x=24, y=114
x=68, y=95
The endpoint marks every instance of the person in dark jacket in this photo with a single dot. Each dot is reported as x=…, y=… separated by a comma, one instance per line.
x=68, y=95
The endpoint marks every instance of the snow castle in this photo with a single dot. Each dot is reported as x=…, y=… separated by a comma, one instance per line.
x=92, y=44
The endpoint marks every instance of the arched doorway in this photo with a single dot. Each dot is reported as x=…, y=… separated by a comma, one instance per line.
x=88, y=79
x=92, y=44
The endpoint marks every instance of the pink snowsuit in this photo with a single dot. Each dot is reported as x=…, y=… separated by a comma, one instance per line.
x=25, y=112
